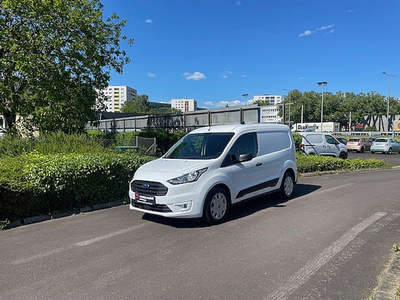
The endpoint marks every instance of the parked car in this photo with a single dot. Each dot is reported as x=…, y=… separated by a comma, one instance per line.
x=212, y=168
x=359, y=144
x=342, y=140
x=385, y=145
x=324, y=144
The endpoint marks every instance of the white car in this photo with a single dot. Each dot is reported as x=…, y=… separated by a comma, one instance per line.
x=317, y=143
x=212, y=168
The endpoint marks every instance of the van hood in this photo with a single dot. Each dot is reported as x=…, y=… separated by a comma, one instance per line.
x=168, y=168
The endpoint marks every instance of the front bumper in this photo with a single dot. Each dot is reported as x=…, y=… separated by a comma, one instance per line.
x=180, y=205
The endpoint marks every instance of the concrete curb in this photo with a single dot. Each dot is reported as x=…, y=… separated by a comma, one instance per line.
x=390, y=281
x=314, y=174
x=41, y=218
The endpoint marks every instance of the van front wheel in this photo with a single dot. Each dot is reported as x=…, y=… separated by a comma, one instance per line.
x=287, y=186
x=216, y=206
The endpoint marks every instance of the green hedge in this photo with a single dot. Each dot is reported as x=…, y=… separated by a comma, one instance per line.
x=312, y=163
x=41, y=184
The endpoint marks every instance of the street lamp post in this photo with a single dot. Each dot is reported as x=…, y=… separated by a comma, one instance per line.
x=322, y=83
x=245, y=98
x=388, y=99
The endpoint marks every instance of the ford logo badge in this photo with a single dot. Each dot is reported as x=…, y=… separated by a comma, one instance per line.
x=145, y=186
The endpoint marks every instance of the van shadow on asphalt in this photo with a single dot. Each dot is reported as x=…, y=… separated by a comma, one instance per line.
x=241, y=210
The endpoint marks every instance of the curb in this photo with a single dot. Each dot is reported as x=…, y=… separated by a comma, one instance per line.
x=322, y=173
x=42, y=218
x=390, y=282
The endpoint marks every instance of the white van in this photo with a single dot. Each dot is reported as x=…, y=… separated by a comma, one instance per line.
x=324, y=144
x=212, y=168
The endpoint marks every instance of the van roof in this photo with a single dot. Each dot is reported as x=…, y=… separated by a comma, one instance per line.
x=237, y=128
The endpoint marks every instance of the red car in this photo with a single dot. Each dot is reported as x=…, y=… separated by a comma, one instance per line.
x=358, y=144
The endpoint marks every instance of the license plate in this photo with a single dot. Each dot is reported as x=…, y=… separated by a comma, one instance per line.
x=145, y=199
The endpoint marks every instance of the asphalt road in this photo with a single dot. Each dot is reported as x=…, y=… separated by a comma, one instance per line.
x=393, y=158
x=331, y=241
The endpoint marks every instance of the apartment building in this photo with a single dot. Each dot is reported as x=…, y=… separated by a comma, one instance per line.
x=117, y=95
x=184, y=104
x=269, y=114
x=273, y=99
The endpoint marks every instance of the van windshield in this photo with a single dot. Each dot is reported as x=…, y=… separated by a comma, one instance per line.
x=200, y=146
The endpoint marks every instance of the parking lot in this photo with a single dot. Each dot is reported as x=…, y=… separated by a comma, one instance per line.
x=393, y=159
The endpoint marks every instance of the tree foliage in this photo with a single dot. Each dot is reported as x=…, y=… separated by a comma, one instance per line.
x=337, y=107
x=143, y=106
x=54, y=57
x=261, y=102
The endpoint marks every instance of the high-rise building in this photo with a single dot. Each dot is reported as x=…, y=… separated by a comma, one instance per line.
x=273, y=99
x=117, y=95
x=184, y=104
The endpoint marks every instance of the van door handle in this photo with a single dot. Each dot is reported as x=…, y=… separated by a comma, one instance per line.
x=258, y=164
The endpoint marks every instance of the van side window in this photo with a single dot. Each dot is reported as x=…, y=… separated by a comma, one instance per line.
x=247, y=143
x=314, y=138
x=330, y=140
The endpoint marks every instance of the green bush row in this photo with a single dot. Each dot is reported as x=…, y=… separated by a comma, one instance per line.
x=312, y=163
x=36, y=184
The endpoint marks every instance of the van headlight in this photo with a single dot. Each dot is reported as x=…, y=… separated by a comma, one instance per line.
x=189, y=177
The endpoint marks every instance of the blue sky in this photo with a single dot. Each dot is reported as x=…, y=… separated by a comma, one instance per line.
x=216, y=50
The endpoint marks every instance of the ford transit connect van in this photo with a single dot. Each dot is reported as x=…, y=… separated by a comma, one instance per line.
x=324, y=144
x=212, y=168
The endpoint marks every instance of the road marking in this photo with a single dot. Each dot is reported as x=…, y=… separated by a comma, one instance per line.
x=304, y=274
x=80, y=244
x=110, y=235
x=333, y=188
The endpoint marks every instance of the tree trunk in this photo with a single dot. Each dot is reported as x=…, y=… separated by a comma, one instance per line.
x=10, y=120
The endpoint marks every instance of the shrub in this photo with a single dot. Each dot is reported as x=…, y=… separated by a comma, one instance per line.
x=312, y=163
x=41, y=184
x=297, y=141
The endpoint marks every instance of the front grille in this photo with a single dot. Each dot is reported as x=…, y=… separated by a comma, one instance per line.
x=155, y=207
x=149, y=188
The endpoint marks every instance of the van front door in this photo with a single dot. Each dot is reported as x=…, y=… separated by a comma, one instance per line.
x=246, y=174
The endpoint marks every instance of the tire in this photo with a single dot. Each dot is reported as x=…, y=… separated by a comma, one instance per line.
x=362, y=150
x=216, y=206
x=372, y=152
x=389, y=151
x=342, y=155
x=287, y=186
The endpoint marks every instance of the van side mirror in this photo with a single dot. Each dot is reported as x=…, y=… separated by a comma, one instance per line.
x=245, y=157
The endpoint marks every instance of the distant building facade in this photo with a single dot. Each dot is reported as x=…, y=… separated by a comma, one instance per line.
x=269, y=114
x=184, y=104
x=273, y=99
x=117, y=95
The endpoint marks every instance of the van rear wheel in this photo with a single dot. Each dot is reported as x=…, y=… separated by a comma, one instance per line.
x=216, y=206
x=287, y=186
x=342, y=155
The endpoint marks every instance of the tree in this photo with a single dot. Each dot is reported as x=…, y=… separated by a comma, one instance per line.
x=54, y=57
x=261, y=102
x=140, y=105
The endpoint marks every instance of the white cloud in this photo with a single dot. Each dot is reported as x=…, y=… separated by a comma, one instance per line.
x=150, y=21
x=149, y=74
x=238, y=3
x=234, y=103
x=194, y=76
x=208, y=103
x=309, y=32
x=350, y=11
x=325, y=27
x=244, y=76
x=300, y=78
x=226, y=74
x=305, y=33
